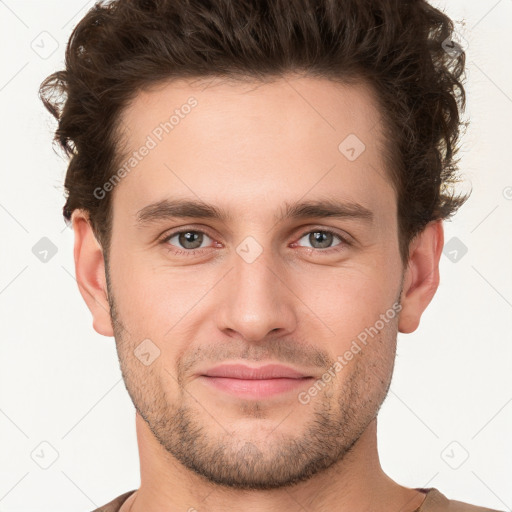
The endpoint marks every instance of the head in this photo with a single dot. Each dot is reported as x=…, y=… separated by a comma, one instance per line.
x=258, y=181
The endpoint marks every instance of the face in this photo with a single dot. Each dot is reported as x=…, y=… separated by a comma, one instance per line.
x=265, y=283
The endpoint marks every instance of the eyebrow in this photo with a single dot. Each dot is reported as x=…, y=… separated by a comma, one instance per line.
x=167, y=209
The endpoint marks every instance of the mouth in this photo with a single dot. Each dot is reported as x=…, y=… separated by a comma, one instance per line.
x=255, y=382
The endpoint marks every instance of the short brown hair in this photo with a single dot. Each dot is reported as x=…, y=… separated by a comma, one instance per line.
x=396, y=46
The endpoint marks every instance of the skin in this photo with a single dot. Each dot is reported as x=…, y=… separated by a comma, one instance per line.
x=250, y=148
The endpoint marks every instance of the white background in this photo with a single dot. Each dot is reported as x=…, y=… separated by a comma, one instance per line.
x=60, y=382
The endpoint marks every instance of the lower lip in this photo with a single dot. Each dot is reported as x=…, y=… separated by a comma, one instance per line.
x=255, y=388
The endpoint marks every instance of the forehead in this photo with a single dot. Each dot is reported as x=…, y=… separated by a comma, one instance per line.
x=253, y=143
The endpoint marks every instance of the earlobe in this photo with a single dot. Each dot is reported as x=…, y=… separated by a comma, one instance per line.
x=422, y=275
x=90, y=272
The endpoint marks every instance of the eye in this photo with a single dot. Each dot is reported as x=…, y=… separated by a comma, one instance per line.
x=322, y=239
x=189, y=239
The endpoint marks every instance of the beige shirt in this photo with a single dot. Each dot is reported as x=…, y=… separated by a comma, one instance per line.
x=434, y=502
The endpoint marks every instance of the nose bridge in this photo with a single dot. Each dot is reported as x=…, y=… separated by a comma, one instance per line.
x=256, y=300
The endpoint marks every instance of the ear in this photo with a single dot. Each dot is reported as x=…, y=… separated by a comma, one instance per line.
x=90, y=272
x=421, y=277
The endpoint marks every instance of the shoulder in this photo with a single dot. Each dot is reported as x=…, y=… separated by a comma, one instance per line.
x=438, y=502
x=115, y=504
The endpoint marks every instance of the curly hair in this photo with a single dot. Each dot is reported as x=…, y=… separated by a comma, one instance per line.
x=396, y=46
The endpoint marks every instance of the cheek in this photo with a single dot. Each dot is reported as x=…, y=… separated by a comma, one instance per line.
x=156, y=301
x=348, y=299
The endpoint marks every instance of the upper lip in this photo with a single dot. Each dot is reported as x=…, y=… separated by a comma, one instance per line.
x=240, y=371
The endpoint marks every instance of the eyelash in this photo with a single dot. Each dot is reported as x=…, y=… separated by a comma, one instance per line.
x=194, y=252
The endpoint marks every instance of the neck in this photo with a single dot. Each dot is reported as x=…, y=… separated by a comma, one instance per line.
x=356, y=483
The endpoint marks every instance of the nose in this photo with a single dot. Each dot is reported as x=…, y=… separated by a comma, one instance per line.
x=256, y=301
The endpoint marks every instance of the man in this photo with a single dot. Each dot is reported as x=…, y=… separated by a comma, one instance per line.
x=257, y=192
